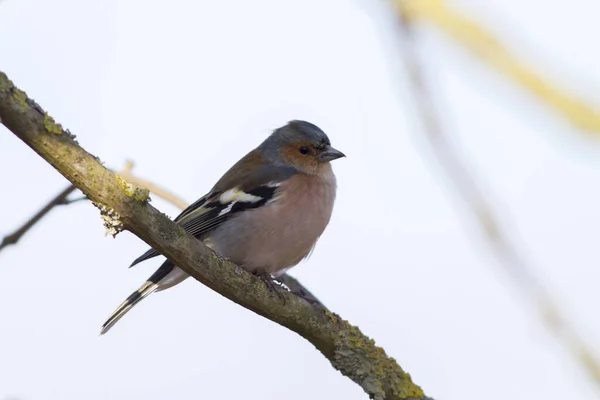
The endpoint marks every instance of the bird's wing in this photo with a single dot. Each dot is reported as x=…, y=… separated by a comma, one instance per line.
x=231, y=195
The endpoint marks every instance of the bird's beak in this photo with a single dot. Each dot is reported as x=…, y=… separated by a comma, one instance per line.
x=330, y=154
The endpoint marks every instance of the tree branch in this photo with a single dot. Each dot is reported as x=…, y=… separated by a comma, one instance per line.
x=14, y=237
x=124, y=206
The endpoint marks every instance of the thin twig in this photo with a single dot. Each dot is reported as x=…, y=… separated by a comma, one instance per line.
x=510, y=258
x=14, y=237
x=66, y=202
x=153, y=188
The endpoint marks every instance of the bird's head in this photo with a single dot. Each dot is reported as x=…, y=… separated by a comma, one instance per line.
x=301, y=145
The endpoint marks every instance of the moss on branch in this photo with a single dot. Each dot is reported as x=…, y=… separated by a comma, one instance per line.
x=52, y=126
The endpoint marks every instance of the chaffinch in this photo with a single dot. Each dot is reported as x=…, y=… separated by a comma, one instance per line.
x=265, y=214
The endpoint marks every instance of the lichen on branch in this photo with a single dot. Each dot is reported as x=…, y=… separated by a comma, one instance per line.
x=130, y=190
x=110, y=219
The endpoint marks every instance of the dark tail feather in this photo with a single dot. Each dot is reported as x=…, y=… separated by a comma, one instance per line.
x=135, y=297
x=146, y=256
x=151, y=285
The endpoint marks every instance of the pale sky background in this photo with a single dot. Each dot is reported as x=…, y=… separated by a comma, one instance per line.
x=185, y=88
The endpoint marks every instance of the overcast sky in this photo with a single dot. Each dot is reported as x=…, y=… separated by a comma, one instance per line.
x=185, y=88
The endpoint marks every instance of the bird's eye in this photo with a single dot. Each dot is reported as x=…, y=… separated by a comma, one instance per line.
x=303, y=150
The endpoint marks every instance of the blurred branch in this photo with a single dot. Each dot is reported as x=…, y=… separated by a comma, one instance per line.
x=504, y=250
x=484, y=45
x=124, y=206
x=14, y=237
x=66, y=202
x=157, y=190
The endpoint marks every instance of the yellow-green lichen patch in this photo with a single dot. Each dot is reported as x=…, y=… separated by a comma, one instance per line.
x=130, y=190
x=52, y=126
x=333, y=317
x=5, y=83
x=20, y=98
x=357, y=357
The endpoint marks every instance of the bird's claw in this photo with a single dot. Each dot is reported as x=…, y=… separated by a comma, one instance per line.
x=272, y=284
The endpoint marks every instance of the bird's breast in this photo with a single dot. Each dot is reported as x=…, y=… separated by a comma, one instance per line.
x=281, y=233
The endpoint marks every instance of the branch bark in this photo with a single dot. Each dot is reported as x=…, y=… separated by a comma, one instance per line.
x=124, y=206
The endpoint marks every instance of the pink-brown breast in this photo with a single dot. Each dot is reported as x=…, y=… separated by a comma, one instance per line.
x=280, y=234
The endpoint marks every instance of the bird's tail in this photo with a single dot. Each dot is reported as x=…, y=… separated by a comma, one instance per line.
x=166, y=276
x=146, y=289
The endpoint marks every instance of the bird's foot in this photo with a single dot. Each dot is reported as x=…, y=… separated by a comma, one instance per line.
x=272, y=284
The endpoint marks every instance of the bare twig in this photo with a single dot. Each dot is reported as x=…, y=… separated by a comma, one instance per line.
x=66, y=202
x=125, y=206
x=510, y=258
x=14, y=237
x=157, y=190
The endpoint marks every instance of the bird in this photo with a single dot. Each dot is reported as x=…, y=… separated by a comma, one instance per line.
x=265, y=214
